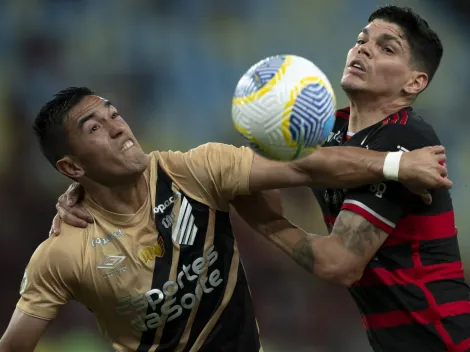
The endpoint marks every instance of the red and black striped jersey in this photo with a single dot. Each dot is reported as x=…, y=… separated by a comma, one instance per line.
x=412, y=295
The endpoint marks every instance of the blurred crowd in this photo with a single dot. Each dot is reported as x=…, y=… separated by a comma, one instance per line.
x=170, y=66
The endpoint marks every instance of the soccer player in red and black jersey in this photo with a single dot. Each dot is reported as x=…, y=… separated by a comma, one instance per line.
x=399, y=256
x=412, y=295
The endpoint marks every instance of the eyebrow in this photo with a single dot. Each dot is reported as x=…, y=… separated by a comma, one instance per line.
x=385, y=37
x=83, y=120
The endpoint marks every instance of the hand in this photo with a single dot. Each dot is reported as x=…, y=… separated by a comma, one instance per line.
x=70, y=211
x=422, y=169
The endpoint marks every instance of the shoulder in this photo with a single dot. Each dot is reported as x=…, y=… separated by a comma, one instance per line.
x=63, y=250
x=202, y=155
x=405, y=130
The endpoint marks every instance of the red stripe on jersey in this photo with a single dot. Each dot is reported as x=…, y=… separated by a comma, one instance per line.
x=385, y=122
x=404, y=117
x=434, y=308
x=463, y=346
x=426, y=316
x=342, y=114
x=394, y=118
x=425, y=274
x=369, y=215
x=423, y=227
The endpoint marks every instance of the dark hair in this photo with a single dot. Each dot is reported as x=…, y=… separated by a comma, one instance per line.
x=425, y=45
x=49, y=123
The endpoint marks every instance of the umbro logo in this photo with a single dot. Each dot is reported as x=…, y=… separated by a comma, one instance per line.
x=184, y=232
x=111, y=261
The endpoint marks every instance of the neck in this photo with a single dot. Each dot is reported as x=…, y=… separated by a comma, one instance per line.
x=366, y=112
x=121, y=199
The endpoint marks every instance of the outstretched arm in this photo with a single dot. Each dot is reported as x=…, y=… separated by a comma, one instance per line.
x=23, y=333
x=348, y=167
x=333, y=167
x=340, y=257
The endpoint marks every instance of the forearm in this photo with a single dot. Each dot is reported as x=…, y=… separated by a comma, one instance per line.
x=6, y=346
x=342, y=167
x=319, y=255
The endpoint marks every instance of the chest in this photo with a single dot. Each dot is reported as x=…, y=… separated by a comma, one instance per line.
x=159, y=269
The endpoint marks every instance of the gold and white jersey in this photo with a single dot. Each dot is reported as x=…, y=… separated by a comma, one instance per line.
x=167, y=278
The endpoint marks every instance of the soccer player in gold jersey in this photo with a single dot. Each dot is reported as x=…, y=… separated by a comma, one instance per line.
x=159, y=266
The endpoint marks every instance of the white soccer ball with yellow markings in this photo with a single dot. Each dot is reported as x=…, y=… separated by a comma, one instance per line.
x=284, y=106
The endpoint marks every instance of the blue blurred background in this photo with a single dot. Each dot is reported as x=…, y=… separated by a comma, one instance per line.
x=171, y=67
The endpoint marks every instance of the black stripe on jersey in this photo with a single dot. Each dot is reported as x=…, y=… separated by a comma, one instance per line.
x=223, y=244
x=163, y=265
x=439, y=251
x=393, y=257
x=237, y=322
x=407, y=338
x=236, y=329
x=381, y=299
x=441, y=204
x=186, y=295
x=447, y=291
x=457, y=326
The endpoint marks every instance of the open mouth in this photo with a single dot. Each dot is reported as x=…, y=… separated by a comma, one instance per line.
x=129, y=144
x=357, y=65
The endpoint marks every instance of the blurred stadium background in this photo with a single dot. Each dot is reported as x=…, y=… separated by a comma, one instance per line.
x=171, y=67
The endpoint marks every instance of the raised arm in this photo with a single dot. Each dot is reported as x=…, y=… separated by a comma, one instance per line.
x=348, y=167
x=223, y=172
x=23, y=333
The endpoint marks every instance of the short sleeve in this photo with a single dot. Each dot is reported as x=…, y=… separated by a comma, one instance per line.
x=213, y=173
x=384, y=204
x=50, y=278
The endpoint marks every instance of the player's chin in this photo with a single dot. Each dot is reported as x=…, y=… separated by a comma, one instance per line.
x=351, y=83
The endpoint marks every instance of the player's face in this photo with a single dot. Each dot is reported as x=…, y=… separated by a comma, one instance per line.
x=379, y=63
x=103, y=146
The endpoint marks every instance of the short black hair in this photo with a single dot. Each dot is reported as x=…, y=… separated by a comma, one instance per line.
x=425, y=45
x=49, y=123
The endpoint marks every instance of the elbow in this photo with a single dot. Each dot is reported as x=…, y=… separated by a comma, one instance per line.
x=338, y=273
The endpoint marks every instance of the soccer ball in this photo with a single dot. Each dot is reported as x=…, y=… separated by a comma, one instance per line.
x=284, y=106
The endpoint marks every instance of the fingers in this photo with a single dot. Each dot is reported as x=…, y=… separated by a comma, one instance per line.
x=441, y=158
x=55, y=229
x=81, y=213
x=72, y=216
x=426, y=197
x=62, y=201
x=73, y=194
x=444, y=182
x=442, y=170
x=438, y=149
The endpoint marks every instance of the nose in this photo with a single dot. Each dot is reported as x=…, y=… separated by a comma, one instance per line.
x=364, y=49
x=115, y=129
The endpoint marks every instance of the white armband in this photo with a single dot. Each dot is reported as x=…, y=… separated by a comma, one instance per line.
x=392, y=165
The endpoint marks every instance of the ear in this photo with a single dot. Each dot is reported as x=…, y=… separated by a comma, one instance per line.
x=417, y=83
x=70, y=168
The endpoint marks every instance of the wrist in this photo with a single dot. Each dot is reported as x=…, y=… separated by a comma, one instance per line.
x=391, y=165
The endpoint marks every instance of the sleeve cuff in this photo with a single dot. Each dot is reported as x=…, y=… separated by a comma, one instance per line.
x=246, y=164
x=369, y=214
x=34, y=312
